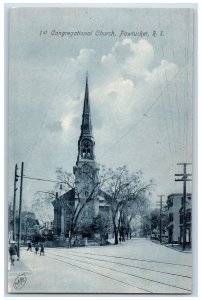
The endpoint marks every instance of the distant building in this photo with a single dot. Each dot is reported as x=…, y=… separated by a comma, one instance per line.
x=188, y=220
x=86, y=179
x=174, y=203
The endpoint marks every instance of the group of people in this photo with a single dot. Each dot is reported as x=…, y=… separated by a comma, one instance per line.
x=13, y=250
x=36, y=247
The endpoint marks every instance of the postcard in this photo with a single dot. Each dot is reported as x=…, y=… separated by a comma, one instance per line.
x=100, y=150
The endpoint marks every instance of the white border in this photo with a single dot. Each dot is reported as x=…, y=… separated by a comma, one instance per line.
x=4, y=57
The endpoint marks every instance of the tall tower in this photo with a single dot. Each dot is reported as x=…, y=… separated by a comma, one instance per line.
x=86, y=169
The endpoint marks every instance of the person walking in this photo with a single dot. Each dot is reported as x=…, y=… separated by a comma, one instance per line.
x=42, y=250
x=29, y=244
x=13, y=251
x=36, y=248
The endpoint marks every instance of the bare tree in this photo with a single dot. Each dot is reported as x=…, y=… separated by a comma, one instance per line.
x=76, y=205
x=122, y=190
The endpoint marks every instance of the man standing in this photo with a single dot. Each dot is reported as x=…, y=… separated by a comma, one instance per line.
x=13, y=251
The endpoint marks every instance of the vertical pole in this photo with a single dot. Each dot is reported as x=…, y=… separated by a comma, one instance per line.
x=184, y=208
x=14, y=201
x=62, y=223
x=20, y=208
x=160, y=221
x=160, y=217
x=184, y=179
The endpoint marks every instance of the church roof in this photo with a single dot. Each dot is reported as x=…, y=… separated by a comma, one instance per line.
x=66, y=197
x=69, y=197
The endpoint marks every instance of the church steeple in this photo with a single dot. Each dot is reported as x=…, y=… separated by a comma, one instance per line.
x=86, y=142
x=86, y=127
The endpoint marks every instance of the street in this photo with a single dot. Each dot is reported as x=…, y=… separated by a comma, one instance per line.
x=135, y=266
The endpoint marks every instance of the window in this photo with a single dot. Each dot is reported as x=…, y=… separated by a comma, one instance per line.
x=188, y=216
x=170, y=218
x=86, y=149
x=103, y=209
x=170, y=203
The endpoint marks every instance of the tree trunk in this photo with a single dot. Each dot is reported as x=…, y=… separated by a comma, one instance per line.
x=116, y=241
x=70, y=239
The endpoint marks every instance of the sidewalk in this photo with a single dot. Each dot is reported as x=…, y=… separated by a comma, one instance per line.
x=14, y=272
x=176, y=247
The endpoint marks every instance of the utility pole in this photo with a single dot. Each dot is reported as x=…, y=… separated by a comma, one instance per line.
x=20, y=209
x=14, y=200
x=184, y=179
x=161, y=201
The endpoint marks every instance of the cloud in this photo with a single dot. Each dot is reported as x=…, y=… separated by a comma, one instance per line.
x=124, y=83
x=120, y=97
x=130, y=58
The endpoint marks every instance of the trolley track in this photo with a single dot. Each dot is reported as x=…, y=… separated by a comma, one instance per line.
x=98, y=273
x=63, y=258
x=141, y=260
x=127, y=265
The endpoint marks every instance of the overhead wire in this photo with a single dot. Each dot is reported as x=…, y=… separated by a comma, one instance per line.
x=29, y=153
x=176, y=88
x=187, y=90
x=168, y=96
x=143, y=115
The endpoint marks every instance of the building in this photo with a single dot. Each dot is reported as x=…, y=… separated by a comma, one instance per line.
x=86, y=182
x=175, y=211
x=188, y=220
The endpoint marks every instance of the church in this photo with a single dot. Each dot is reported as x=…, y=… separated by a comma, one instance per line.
x=86, y=192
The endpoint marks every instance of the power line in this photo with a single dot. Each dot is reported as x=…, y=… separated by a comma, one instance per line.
x=41, y=179
x=168, y=94
x=143, y=116
x=176, y=91
x=44, y=118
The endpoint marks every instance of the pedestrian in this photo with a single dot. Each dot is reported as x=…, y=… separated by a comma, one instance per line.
x=36, y=248
x=29, y=246
x=13, y=251
x=119, y=239
x=42, y=250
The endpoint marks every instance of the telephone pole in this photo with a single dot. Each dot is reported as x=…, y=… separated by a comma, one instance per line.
x=14, y=200
x=20, y=209
x=184, y=178
x=160, y=225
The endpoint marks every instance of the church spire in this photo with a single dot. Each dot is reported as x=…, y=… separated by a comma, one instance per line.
x=86, y=142
x=86, y=127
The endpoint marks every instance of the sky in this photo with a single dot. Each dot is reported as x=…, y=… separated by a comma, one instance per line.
x=140, y=91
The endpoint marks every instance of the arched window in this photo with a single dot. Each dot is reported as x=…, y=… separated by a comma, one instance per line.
x=86, y=149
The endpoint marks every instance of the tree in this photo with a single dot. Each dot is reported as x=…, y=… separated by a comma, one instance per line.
x=155, y=221
x=102, y=226
x=137, y=208
x=122, y=190
x=78, y=203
